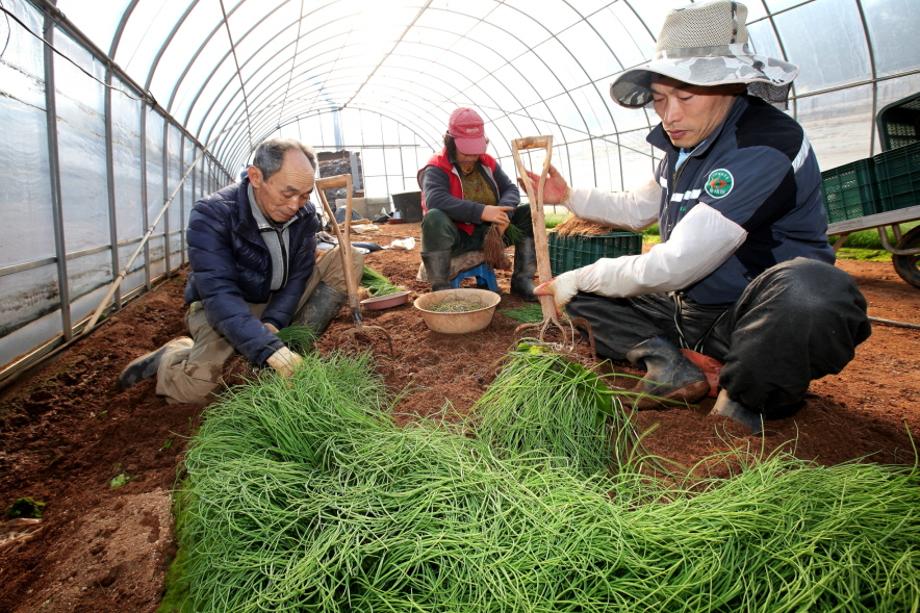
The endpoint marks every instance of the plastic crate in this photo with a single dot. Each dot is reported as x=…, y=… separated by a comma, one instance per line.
x=850, y=191
x=897, y=174
x=571, y=252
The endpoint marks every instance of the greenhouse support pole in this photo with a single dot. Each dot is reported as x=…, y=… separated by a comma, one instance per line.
x=145, y=215
x=54, y=170
x=110, y=175
x=182, y=203
x=166, y=171
x=124, y=273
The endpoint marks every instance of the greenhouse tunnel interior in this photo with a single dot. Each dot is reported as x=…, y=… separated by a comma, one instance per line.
x=112, y=110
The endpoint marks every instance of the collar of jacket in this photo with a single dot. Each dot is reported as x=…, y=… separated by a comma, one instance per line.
x=659, y=139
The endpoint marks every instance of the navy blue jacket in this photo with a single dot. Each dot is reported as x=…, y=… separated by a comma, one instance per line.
x=232, y=267
x=759, y=170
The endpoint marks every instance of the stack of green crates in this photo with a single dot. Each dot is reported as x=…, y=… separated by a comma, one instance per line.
x=850, y=191
x=897, y=174
x=571, y=252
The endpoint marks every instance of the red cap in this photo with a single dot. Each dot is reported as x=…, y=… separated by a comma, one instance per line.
x=467, y=129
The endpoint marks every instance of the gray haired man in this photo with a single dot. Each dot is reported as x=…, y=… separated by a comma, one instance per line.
x=252, y=254
x=743, y=273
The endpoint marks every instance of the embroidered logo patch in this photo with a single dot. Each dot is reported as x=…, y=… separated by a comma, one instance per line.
x=719, y=183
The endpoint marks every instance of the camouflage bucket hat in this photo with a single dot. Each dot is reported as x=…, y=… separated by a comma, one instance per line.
x=706, y=45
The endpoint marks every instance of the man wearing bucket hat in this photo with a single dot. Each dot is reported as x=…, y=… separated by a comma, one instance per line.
x=465, y=192
x=743, y=273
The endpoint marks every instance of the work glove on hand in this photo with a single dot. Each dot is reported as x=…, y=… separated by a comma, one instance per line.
x=563, y=288
x=284, y=361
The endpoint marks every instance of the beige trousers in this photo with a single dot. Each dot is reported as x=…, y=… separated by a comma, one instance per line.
x=189, y=371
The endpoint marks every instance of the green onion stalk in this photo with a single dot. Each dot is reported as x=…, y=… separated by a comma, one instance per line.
x=377, y=284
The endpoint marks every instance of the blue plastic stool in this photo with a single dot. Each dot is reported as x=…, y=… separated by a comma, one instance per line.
x=485, y=277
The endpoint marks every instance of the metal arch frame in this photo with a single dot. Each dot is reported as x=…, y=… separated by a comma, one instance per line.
x=54, y=172
x=567, y=91
x=332, y=109
x=217, y=66
x=874, y=73
x=654, y=38
x=219, y=63
x=509, y=62
x=447, y=85
x=584, y=19
x=769, y=15
x=434, y=128
x=396, y=43
x=168, y=120
x=300, y=115
x=236, y=61
x=398, y=118
x=53, y=15
x=166, y=112
x=782, y=47
x=261, y=93
x=166, y=217
x=142, y=138
x=639, y=18
x=293, y=61
x=511, y=93
x=299, y=22
x=193, y=60
x=873, y=69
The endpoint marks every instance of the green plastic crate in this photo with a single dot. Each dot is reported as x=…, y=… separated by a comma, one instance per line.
x=897, y=174
x=571, y=252
x=850, y=191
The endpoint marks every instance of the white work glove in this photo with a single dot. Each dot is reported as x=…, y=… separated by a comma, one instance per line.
x=563, y=288
x=284, y=361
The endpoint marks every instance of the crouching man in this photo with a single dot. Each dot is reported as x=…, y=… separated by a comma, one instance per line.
x=744, y=273
x=252, y=253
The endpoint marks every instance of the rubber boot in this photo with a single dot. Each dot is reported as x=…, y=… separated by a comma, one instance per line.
x=525, y=266
x=670, y=376
x=726, y=407
x=322, y=305
x=146, y=366
x=437, y=266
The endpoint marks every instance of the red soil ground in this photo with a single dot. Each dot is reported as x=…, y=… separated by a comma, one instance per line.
x=66, y=430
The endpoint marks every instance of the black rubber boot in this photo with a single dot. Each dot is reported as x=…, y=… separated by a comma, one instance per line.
x=669, y=377
x=322, y=305
x=726, y=407
x=525, y=265
x=146, y=366
x=437, y=267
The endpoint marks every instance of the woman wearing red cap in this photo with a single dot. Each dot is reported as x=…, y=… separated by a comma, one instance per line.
x=465, y=192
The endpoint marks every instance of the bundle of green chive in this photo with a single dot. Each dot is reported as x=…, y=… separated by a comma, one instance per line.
x=377, y=284
x=302, y=495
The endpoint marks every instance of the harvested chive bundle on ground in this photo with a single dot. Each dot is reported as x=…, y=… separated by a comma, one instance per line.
x=303, y=495
x=542, y=401
x=377, y=284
